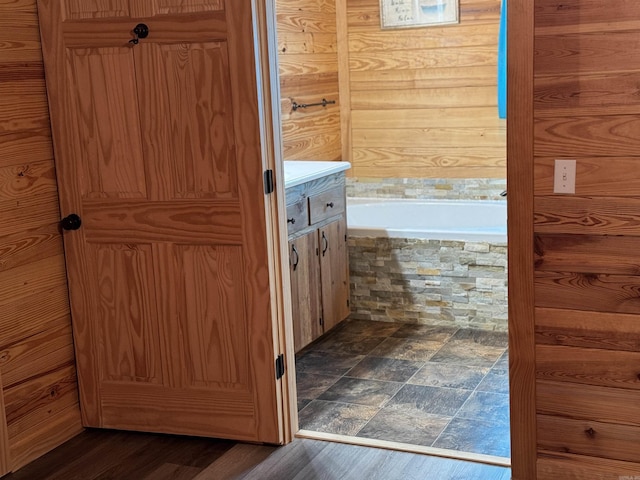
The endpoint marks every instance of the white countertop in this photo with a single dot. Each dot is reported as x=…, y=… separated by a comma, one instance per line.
x=297, y=172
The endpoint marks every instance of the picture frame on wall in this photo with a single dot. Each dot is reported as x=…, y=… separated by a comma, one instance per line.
x=418, y=13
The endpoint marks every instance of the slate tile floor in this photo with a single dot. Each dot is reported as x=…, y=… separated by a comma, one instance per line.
x=436, y=386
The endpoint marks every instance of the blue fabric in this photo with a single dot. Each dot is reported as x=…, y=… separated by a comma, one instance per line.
x=502, y=62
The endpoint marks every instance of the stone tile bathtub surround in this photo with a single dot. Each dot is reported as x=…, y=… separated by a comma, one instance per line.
x=430, y=282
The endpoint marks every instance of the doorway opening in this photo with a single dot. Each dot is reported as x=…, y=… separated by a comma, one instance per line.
x=422, y=360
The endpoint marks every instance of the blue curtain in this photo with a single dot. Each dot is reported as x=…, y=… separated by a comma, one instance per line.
x=502, y=62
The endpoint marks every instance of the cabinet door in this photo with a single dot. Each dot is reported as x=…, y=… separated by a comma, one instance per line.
x=305, y=289
x=334, y=270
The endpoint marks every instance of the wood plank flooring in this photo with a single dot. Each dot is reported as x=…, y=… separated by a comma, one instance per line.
x=103, y=454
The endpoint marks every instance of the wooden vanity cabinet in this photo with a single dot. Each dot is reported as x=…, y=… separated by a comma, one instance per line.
x=334, y=272
x=305, y=292
x=318, y=257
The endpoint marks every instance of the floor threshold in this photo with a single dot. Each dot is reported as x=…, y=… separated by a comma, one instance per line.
x=406, y=447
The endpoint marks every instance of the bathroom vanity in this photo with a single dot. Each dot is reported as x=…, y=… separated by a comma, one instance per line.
x=318, y=254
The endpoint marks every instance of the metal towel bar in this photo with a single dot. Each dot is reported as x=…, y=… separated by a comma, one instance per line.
x=295, y=106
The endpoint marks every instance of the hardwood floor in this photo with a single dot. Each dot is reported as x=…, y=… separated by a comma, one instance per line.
x=103, y=454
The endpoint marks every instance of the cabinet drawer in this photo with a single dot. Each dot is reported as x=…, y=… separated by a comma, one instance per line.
x=297, y=217
x=326, y=204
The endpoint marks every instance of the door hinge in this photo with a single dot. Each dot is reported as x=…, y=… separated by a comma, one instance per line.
x=322, y=321
x=268, y=182
x=279, y=366
x=348, y=303
x=345, y=237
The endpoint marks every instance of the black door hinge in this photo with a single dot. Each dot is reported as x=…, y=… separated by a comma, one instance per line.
x=321, y=321
x=268, y=182
x=279, y=366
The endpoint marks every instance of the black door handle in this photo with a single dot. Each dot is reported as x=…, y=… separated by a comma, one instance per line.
x=71, y=222
x=140, y=31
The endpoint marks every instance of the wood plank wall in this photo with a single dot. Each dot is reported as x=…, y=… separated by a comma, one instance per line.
x=308, y=61
x=587, y=261
x=36, y=353
x=423, y=101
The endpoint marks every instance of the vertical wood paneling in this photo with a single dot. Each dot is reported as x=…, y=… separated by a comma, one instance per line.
x=36, y=357
x=520, y=230
x=308, y=64
x=587, y=277
x=403, y=81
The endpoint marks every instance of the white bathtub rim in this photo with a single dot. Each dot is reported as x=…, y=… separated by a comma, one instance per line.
x=494, y=235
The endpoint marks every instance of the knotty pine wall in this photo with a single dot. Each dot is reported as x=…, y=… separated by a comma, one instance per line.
x=36, y=354
x=308, y=65
x=423, y=100
x=587, y=257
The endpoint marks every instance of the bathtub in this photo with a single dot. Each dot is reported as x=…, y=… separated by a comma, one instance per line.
x=472, y=221
x=428, y=262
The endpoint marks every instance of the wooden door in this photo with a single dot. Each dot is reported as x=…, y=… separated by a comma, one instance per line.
x=305, y=289
x=158, y=151
x=334, y=270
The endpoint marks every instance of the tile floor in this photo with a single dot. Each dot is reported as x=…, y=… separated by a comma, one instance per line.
x=444, y=387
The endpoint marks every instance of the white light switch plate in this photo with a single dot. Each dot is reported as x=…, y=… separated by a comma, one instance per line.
x=564, y=176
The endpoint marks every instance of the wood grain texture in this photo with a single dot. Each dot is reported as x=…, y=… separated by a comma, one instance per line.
x=344, y=79
x=553, y=465
x=42, y=414
x=334, y=271
x=305, y=292
x=593, y=94
x=308, y=65
x=401, y=83
x=587, y=254
x=520, y=145
x=98, y=454
x=552, y=13
x=618, y=369
x=588, y=291
x=573, y=328
x=597, y=176
x=586, y=288
x=5, y=455
x=589, y=52
x=169, y=274
x=19, y=148
x=587, y=215
x=305, y=459
x=611, y=135
x=476, y=76
x=35, y=335
x=45, y=351
x=587, y=402
x=587, y=437
x=318, y=258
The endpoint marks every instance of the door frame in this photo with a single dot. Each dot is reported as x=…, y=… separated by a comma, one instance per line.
x=520, y=211
x=266, y=43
